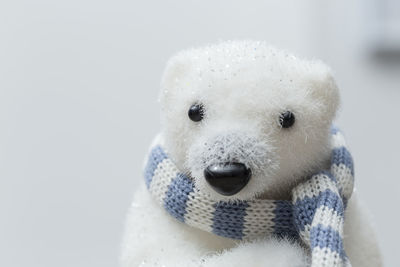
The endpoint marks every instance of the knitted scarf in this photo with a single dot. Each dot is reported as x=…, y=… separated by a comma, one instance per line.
x=315, y=215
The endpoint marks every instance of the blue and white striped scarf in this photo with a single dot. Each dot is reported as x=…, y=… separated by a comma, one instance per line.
x=315, y=214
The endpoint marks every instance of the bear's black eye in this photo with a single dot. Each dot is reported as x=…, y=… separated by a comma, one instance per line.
x=196, y=112
x=286, y=119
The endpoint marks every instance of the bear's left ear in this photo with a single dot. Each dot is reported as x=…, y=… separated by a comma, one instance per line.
x=323, y=89
x=177, y=68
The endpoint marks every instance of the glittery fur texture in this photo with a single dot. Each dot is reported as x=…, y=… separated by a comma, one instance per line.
x=244, y=87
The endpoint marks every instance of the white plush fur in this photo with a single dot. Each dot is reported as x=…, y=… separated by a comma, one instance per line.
x=244, y=87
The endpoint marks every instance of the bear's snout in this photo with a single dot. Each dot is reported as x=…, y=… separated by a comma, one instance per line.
x=232, y=163
x=227, y=179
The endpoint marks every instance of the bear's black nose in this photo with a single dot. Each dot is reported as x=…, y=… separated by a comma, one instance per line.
x=227, y=179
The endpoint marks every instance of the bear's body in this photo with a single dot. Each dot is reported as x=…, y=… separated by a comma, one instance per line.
x=243, y=90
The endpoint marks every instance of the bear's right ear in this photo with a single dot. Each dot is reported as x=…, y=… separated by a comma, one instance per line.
x=177, y=68
x=323, y=88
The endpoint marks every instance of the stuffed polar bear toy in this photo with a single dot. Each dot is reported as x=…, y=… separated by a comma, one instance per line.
x=248, y=169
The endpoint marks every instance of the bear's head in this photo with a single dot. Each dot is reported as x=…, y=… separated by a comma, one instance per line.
x=246, y=120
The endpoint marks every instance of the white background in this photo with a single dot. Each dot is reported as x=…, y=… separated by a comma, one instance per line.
x=78, y=87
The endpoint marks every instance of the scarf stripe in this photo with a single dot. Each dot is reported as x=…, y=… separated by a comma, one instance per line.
x=177, y=196
x=258, y=220
x=284, y=223
x=157, y=156
x=228, y=220
x=315, y=214
x=340, y=156
x=198, y=214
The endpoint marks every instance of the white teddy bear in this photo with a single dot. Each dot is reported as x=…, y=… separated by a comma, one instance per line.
x=236, y=177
